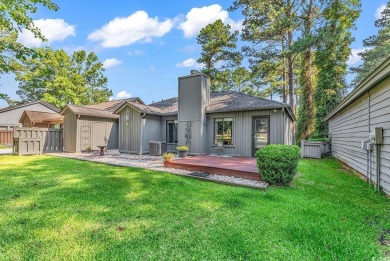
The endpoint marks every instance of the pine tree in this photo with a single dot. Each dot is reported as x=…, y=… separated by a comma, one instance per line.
x=377, y=48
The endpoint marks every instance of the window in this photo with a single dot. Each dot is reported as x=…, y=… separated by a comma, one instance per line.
x=171, y=132
x=223, y=131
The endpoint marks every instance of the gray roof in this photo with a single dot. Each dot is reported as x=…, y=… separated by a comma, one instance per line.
x=112, y=105
x=90, y=112
x=9, y=108
x=219, y=102
x=236, y=101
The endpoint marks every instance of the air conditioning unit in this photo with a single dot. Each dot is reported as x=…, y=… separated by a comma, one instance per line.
x=157, y=148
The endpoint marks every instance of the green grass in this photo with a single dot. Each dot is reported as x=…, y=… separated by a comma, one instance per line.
x=57, y=208
x=5, y=147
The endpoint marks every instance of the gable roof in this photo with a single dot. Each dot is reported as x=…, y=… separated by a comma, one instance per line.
x=82, y=110
x=39, y=116
x=113, y=105
x=44, y=103
x=376, y=76
x=225, y=101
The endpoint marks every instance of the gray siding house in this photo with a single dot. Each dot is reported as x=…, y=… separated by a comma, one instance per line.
x=86, y=127
x=240, y=123
x=10, y=116
x=367, y=107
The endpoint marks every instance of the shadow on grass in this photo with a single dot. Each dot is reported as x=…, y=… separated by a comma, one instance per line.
x=57, y=207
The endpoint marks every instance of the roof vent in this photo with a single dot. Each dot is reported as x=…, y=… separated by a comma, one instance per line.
x=193, y=72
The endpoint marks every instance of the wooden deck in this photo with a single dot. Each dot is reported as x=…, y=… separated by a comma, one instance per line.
x=230, y=166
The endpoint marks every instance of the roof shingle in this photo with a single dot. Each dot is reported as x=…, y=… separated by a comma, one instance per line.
x=39, y=116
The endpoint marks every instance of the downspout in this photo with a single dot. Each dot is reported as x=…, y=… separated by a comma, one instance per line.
x=142, y=134
x=284, y=127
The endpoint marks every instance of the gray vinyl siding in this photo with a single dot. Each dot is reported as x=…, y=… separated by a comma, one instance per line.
x=242, y=130
x=13, y=116
x=70, y=129
x=171, y=147
x=151, y=131
x=288, y=127
x=130, y=132
x=111, y=131
x=194, y=96
x=352, y=124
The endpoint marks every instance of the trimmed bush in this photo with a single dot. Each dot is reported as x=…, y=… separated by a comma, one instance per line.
x=278, y=163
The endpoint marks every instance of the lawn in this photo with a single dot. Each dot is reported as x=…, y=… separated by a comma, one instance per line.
x=57, y=208
x=5, y=147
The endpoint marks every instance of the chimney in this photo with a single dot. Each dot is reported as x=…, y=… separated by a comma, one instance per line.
x=194, y=97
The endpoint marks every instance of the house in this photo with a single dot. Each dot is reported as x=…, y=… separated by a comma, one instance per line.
x=10, y=116
x=365, y=110
x=202, y=120
x=86, y=127
x=41, y=119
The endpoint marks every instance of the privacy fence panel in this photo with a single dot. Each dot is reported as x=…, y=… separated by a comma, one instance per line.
x=314, y=149
x=29, y=141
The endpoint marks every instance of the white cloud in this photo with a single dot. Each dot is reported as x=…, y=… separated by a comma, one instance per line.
x=354, y=58
x=111, y=62
x=129, y=30
x=189, y=63
x=379, y=10
x=135, y=52
x=197, y=18
x=122, y=95
x=52, y=29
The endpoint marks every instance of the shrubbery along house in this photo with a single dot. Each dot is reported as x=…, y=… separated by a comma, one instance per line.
x=198, y=118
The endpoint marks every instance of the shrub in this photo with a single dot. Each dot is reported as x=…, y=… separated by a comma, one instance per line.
x=278, y=163
x=167, y=156
x=182, y=148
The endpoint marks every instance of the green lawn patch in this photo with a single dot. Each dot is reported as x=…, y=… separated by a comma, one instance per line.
x=57, y=208
x=5, y=147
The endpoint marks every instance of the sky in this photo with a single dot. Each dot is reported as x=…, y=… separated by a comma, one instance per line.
x=145, y=45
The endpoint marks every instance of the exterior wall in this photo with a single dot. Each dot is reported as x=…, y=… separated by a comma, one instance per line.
x=288, y=129
x=242, y=131
x=352, y=124
x=151, y=131
x=111, y=131
x=13, y=116
x=70, y=131
x=171, y=147
x=194, y=96
x=130, y=131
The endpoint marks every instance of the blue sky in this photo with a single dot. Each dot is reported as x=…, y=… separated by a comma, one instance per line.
x=146, y=44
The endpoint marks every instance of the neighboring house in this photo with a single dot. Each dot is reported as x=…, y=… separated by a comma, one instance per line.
x=86, y=127
x=202, y=120
x=365, y=108
x=10, y=116
x=41, y=119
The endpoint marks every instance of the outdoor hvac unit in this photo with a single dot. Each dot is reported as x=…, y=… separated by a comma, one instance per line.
x=157, y=148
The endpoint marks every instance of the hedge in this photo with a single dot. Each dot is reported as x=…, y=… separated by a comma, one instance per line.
x=278, y=163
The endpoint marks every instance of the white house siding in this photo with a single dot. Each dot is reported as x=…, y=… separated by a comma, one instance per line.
x=70, y=135
x=12, y=117
x=242, y=130
x=353, y=123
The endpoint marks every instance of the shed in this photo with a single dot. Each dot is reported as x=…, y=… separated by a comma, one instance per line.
x=367, y=107
x=41, y=119
x=86, y=127
x=10, y=116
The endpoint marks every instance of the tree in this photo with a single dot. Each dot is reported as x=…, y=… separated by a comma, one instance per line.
x=331, y=59
x=60, y=79
x=218, y=53
x=14, y=16
x=377, y=48
x=270, y=26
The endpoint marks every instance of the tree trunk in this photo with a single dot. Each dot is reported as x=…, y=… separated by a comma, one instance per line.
x=284, y=76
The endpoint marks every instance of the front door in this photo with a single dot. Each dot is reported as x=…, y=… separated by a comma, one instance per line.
x=260, y=133
x=99, y=135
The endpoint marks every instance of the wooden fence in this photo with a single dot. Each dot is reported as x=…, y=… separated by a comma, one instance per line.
x=6, y=137
x=29, y=141
x=314, y=149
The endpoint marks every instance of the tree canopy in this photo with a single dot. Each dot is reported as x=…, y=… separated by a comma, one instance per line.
x=60, y=79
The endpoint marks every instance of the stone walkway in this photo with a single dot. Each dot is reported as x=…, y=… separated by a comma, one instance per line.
x=113, y=157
